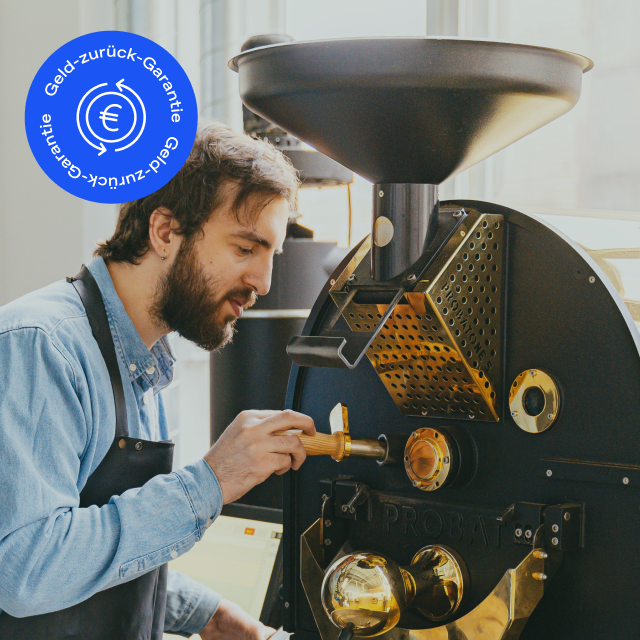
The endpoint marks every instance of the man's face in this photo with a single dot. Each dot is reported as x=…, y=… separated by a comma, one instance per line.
x=218, y=274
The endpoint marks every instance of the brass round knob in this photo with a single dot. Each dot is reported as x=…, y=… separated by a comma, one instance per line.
x=428, y=458
x=367, y=592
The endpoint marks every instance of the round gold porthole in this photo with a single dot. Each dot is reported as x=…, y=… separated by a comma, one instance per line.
x=534, y=401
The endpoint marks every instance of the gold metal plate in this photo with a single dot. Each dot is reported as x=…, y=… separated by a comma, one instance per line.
x=502, y=615
x=440, y=352
x=527, y=380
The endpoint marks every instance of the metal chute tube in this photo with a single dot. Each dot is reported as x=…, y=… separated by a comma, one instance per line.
x=367, y=448
x=405, y=221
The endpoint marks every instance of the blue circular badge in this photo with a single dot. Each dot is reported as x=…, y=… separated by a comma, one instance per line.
x=111, y=117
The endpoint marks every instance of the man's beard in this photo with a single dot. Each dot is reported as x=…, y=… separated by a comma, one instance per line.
x=190, y=303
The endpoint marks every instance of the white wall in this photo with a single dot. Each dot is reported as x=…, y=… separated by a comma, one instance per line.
x=225, y=25
x=46, y=233
x=587, y=158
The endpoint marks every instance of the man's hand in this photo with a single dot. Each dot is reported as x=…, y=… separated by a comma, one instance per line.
x=247, y=453
x=230, y=622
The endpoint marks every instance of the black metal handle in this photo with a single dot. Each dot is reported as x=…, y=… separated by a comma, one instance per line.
x=337, y=349
x=347, y=633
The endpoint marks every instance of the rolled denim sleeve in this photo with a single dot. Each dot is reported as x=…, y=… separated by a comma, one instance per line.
x=190, y=605
x=53, y=553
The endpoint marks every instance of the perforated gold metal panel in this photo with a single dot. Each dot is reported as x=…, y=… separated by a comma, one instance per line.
x=440, y=352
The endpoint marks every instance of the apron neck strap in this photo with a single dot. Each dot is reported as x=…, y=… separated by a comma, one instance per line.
x=89, y=293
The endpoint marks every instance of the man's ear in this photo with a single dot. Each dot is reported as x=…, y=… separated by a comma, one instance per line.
x=164, y=241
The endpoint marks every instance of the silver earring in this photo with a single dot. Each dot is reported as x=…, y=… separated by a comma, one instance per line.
x=164, y=256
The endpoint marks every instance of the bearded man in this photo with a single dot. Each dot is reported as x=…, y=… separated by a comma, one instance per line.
x=91, y=512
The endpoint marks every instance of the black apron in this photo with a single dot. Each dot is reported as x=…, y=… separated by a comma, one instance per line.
x=133, y=610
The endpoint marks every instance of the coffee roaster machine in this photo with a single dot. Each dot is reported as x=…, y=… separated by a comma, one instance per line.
x=475, y=373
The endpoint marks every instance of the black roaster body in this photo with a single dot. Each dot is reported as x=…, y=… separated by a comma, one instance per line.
x=559, y=316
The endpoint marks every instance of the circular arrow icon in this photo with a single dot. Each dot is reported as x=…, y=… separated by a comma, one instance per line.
x=111, y=108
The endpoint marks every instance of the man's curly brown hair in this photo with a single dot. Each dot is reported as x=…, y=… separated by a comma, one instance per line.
x=219, y=158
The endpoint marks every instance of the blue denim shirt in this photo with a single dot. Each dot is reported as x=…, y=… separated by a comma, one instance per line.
x=57, y=422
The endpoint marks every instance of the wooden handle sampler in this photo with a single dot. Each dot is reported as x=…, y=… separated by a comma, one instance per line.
x=322, y=444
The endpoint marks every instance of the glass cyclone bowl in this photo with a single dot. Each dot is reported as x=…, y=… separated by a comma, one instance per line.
x=367, y=592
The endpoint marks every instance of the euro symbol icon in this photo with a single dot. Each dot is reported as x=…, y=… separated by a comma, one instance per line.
x=111, y=117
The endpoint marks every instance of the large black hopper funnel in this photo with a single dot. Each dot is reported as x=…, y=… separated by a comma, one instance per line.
x=406, y=114
x=409, y=110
